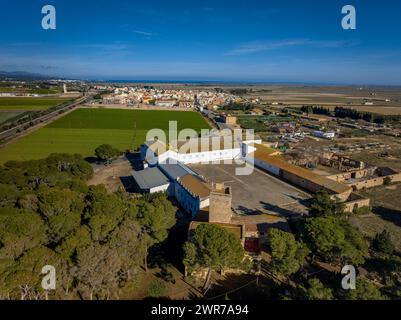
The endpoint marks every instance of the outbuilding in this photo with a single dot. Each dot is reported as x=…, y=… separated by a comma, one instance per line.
x=151, y=180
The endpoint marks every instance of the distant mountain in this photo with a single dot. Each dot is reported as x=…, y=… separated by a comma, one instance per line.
x=19, y=75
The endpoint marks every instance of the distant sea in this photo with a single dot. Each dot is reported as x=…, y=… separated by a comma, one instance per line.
x=211, y=82
x=255, y=83
x=185, y=81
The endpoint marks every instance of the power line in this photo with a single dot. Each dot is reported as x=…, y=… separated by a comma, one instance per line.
x=134, y=136
x=233, y=290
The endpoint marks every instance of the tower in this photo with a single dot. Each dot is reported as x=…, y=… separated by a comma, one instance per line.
x=220, y=203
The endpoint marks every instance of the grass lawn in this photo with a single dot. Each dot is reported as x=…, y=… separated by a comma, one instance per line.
x=84, y=129
x=27, y=104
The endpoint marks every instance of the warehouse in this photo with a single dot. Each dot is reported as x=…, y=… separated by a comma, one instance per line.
x=151, y=180
x=179, y=181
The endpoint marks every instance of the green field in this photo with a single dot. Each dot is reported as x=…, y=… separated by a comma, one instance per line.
x=4, y=116
x=29, y=90
x=257, y=123
x=84, y=129
x=29, y=104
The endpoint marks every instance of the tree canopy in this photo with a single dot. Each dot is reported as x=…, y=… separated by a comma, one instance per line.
x=335, y=240
x=315, y=290
x=213, y=247
x=383, y=242
x=288, y=255
x=365, y=290
x=97, y=241
x=106, y=152
x=322, y=204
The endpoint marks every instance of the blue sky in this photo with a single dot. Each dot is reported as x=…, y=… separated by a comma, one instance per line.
x=272, y=41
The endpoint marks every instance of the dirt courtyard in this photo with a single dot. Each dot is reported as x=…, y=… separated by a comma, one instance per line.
x=112, y=176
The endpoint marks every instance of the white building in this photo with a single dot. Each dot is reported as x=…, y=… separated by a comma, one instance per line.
x=168, y=172
x=325, y=135
x=196, y=150
x=193, y=193
x=151, y=180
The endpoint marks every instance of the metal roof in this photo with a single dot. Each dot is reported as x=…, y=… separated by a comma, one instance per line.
x=175, y=170
x=150, y=177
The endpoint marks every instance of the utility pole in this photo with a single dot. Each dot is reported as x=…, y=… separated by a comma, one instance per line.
x=134, y=136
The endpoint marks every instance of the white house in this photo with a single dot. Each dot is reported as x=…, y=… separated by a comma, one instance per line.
x=325, y=135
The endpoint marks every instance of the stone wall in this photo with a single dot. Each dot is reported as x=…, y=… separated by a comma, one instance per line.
x=355, y=201
x=375, y=182
x=355, y=174
x=311, y=186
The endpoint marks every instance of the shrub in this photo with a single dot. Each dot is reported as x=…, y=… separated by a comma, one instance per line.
x=387, y=181
x=362, y=210
x=383, y=242
x=157, y=289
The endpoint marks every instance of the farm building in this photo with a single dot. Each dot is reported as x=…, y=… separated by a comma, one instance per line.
x=151, y=180
x=324, y=135
x=304, y=178
x=194, y=193
x=301, y=177
x=190, y=189
x=195, y=150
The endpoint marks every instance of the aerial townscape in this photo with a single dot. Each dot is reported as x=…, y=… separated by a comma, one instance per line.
x=208, y=190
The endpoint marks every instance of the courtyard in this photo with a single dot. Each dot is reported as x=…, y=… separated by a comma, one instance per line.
x=258, y=192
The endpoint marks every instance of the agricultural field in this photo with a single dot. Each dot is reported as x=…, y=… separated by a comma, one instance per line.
x=258, y=122
x=29, y=104
x=4, y=116
x=85, y=129
x=29, y=90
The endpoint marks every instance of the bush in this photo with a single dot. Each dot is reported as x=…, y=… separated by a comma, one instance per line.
x=383, y=243
x=107, y=153
x=362, y=210
x=365, y=290
x=315, y=290
x=157, y=289
x=387, y=181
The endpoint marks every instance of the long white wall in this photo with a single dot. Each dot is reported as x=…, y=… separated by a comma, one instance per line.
x=209, y=156
x=198, y=157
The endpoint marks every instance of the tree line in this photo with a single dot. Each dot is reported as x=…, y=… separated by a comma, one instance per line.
x=238, y=106
x=97, y=241
x=327, y=236
x=341, y=112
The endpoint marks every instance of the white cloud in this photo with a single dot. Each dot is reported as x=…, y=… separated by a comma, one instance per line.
x=143, y=33
x=258, y=46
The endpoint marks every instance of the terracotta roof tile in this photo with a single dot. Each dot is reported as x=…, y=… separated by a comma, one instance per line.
x=195, y=185
x=306, y=174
